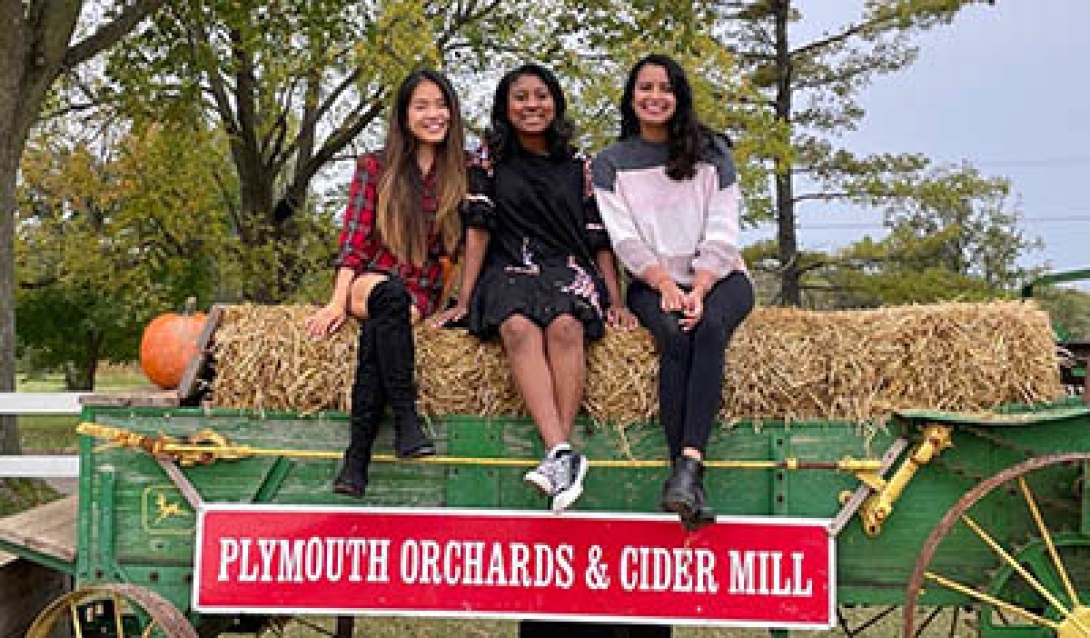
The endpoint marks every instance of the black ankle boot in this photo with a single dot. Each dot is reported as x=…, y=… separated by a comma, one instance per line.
x=683, y=493
x=704, y=515
x=388, y=309
x=368, y=404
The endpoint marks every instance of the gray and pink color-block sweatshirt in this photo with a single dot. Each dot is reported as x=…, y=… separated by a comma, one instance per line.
x=683, y=225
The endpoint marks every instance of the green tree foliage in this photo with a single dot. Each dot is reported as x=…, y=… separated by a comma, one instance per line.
x=40, y=42
x=796, y=96
x=294, y=84
x=1069, y=309
x=108, y=241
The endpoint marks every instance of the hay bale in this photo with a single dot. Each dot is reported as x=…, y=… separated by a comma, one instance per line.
x=787, y=364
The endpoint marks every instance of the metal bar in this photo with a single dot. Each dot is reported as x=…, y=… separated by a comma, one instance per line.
x=33, y=555
x=106, y=522
x=991, y=600
x=118, y=622
x=274, y=478
x=1032, y=503
x=168, y=447
x=1033, y=582
x=40, y=403
x=39, y=466
x=780, y=445
x=192, y=496
x=85, y=520
x=863, y=491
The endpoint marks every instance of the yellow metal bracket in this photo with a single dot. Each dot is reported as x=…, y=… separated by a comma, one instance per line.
x=879, y=505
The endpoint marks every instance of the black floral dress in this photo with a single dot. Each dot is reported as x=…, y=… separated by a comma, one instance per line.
x=545, y=231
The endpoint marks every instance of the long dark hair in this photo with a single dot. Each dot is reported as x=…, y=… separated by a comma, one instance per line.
x=400, y=218
x=686, y=136
x=501, y=137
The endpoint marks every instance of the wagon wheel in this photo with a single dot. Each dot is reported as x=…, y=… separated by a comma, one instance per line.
x=1033, y=593
x=121, y=610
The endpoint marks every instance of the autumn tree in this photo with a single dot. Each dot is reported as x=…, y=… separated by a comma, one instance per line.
x=295, y=83
x=40, y=42
x=108, y=238
x=807, y=91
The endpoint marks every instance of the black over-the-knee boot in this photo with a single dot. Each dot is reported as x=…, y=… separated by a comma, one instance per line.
x=388, y=308
x=368, y=404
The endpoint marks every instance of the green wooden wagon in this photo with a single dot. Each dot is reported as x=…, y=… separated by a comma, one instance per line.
x=981, y=497
x=935, y=514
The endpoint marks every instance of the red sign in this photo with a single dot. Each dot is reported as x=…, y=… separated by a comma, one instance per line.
x=577, y=566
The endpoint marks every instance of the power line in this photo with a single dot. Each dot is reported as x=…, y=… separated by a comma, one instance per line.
x=1041, y=162
x=1030, y=221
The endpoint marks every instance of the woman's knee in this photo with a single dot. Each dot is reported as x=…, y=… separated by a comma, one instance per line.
x=359, y=292
x=517, y=331
x=671, y=339
x=565, y=331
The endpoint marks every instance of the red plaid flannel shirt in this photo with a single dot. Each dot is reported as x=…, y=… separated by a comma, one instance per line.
x=362, y=249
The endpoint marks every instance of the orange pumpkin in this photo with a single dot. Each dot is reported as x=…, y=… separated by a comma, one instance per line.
x=169, y=342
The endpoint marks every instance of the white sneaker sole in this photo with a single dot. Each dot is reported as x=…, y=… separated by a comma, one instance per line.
x=539, y=481
x=568, y=497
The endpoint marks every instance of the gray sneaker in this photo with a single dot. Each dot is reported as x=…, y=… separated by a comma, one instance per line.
x=547, y=476
x=569, y=485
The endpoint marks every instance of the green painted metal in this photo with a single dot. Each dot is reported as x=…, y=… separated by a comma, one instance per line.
x=41, y=558
x=998, y=419
x=106, y=567
x=274, y=479
x=135, y=524
x=1066, y=276
x=474, y=486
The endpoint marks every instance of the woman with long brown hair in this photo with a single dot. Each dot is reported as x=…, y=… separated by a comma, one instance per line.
x=402, y=218
x=668, y=193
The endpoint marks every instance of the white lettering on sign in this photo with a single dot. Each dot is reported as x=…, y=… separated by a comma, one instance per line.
x=660, y=569
x=281, y=560
x=761, y=573
x=426, y=562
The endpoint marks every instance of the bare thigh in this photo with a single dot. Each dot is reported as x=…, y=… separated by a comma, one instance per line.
x=360, y=291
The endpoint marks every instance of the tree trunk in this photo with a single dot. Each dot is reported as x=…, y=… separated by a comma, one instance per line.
x=79, y=376
x=786, y=228
x=11, y=148
x=9, y=426
x=34, y=50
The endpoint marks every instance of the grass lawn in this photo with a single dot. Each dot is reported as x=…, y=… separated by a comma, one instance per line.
x=56, y=434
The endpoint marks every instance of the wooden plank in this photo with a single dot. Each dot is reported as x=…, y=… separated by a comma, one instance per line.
x=39, y=466
x=190, y=385
x=38, y=403
x=49, y=529
x=143, y=398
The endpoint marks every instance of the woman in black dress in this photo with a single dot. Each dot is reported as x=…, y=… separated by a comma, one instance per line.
x=538, y=268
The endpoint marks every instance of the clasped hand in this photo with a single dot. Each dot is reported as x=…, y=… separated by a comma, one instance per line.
x=689, y=304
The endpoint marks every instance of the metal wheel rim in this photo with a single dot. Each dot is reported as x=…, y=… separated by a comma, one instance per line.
x=953, y=516
x=161, y=611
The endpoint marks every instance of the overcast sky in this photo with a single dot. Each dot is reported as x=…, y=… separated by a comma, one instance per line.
x=1006, y=88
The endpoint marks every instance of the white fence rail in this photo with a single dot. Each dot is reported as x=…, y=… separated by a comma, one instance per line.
x=40, y=404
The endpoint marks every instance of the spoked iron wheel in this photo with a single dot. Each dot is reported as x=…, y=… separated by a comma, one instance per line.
x=881, y=622
x=1035, y=591
x=122, y=611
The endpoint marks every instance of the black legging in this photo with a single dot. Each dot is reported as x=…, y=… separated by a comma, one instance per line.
x=691, y=363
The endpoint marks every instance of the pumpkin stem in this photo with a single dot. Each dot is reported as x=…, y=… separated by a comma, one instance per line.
x=190, y=306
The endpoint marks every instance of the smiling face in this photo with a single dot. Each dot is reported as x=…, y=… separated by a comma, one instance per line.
x=653, y=98
x=530, y=106
x=428, y=115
